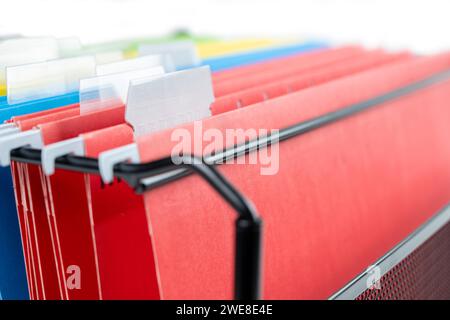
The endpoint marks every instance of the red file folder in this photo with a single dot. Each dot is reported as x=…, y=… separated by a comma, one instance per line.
x=43, y=279
x=49, y=283
x=122, y=237
x=344, y=194
x=43, y=113
x=28, y=124
x=70, y=211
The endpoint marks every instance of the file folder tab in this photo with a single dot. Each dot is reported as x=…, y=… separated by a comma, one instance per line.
x=169, y=100
x=47, y=79
x=26, y=50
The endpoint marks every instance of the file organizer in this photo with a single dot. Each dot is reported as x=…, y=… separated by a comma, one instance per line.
x=380, y=92
x=399, y=96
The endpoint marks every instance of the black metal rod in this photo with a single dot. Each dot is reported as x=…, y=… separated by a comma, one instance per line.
x=248, y=263
x=134, y=173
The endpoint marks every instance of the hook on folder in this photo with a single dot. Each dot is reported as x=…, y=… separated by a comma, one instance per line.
x=30, y=138
x=8, y=131
x=49, y=154
x=108, y=159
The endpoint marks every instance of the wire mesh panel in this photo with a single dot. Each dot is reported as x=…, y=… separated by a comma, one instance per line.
x=424, y=274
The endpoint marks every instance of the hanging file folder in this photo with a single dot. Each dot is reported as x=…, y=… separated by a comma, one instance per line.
x=122, y=237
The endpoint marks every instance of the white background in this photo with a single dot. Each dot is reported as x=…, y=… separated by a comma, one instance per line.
x=420, y=25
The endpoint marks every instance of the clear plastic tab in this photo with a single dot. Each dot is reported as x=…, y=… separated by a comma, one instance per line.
x=46, y=79
x=130, y=65
x=109, y=90
x=170, y=100
x=181, y=53
x=26, y=50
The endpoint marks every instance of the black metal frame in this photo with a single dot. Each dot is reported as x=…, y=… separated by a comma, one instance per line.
x=249, y=224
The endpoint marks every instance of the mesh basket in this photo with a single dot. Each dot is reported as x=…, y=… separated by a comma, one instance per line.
x=423, y=275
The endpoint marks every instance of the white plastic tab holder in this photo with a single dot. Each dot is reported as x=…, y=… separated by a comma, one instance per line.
x=182, y=53
x=7, y=126
x=138, y=63
x=110, y=90
x=170, y=100
x=47, y=79
x=30, y=138
x=6, y=132
x=50, y=152
x=108, y=159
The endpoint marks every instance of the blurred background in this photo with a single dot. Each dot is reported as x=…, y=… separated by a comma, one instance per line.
x=420, y=25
